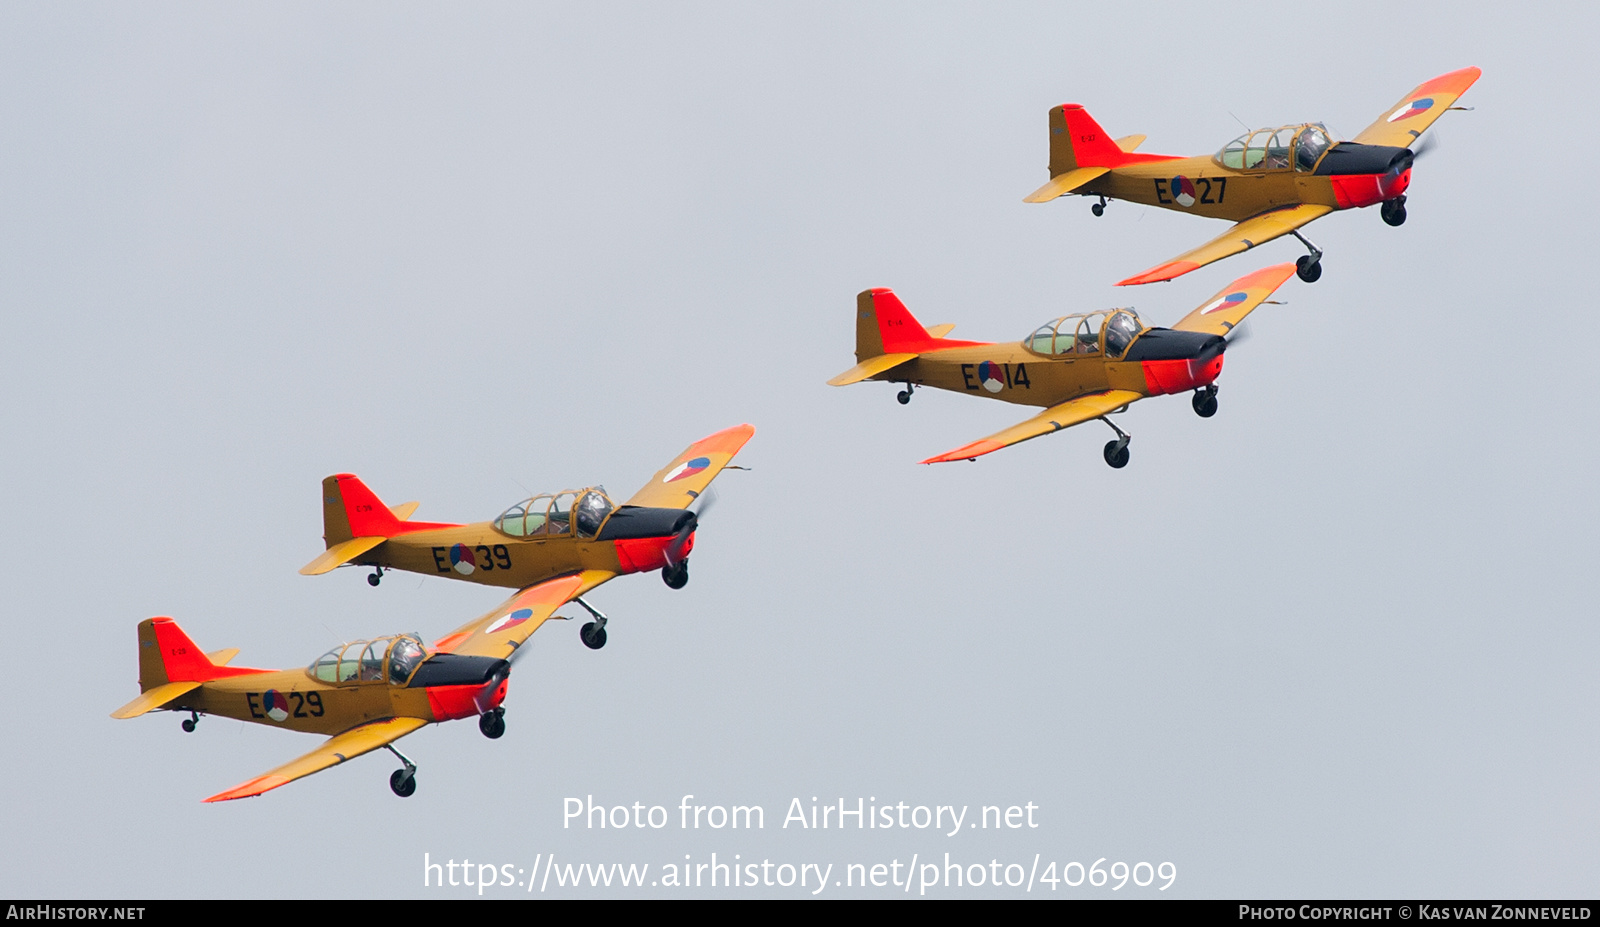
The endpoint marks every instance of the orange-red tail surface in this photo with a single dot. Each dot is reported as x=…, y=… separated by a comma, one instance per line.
x=166, y=654
x=1076, y=140
x=885, y=326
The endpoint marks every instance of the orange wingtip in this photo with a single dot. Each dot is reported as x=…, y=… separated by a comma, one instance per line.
x=250, y=789
x=445, y=644
x=726, y=441
x=975, y=449
x=1455, y=82
x=1164, y=272
x=1269, y=277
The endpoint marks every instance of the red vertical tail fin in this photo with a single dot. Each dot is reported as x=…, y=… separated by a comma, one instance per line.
x=897, y=329
x=351, y=510
x=1076, y=140
x=166, y=654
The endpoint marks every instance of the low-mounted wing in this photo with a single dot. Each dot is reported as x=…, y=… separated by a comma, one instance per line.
x=1219, y=314
x=500, y=632
x=681, y=482
x=1069, y=413
x=334, y=750
x=1417, y=110
x=1242, y=237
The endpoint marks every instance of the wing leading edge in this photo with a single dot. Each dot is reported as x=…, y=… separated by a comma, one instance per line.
x=501, y=631
x=1219, y=314
x=1069, y=413
x=681, y=481
x=1241, y=237
x=1405, y=121
x=334, y=750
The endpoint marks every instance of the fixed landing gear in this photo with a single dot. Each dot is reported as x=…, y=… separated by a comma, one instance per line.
x=191, y=722
x=593, y=634
x=376, y=576
x=1394, y=211
x=1116, y=452
x=905, y=395
x=402, y=781
x=1310, y=266
x=492, y=723
x=1205, y=401
x=1099, y=208
x=676, y=575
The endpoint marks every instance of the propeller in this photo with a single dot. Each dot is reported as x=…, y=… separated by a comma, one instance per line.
x=1239, y=334
x=1428, y=143
x=674, y=551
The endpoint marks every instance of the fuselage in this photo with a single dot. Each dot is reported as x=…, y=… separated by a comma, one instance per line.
x=1347, y=176
x=1157, y=362
x=632, y=539
x=443, y=688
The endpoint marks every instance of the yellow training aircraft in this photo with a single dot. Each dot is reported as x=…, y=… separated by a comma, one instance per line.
x=1083, y=367
x=1269, y=182
x=571, y=533
x=364, y=695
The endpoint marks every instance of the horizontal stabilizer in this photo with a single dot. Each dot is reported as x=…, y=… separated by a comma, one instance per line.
x=871, y=367
x=940, y=331
x=155, y=698
x=404, y=510
x=223, y=656
x=1062, y=184
x=1130, y=143
x=340, y=554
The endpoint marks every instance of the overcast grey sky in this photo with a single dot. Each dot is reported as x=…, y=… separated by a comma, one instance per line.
x=1336, y=641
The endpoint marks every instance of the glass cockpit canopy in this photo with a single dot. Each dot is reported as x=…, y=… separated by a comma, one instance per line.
x=1082, y=334
x=1299, y=146
x=557, y=514
x=393, y=658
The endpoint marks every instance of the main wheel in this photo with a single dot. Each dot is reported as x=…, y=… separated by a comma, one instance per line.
x=492, y=723
x=374, y=579
x=1098, y=209
x=188, y=725
x=1205, y=404
x=1393, y=212
x=904, y=396
x=1116, y=456
x=592, y=635
x=403, y=783
x=676, y=576
x=1310, y=271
